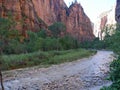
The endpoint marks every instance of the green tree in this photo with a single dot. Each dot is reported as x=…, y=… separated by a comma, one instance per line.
x=42, y=33
x=7, y=33
x=113, y=42
x=57, y=28
x=30, y=41
x=68, y=42
x=52, y=44
x=40, y=44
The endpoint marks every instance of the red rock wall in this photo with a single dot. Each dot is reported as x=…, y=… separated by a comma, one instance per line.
x=79, y=25
x=24, y=14
x=32, y=13
x=103, y=22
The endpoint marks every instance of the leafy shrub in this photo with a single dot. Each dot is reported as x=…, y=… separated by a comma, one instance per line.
x=42, y=58
x=68, y=42
x=42, y=33
x=95, y=44
x=57, y=28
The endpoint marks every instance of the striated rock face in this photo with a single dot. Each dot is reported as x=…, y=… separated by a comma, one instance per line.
x=76, y=21
x=36, y=14
x=117, y=11
x=79, y=25
x=105, y=19
x=23, y=12
x=50, y=11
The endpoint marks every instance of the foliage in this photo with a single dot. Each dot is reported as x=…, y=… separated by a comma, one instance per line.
x=109, y=30
x=57, y=28
x=113, y=42
x=43, y=58
x=68, y=42
x=7, y=34
x=35, y=42
x=11, y=43
x=42, y=33
x=108, y=88
x=95, y=44
x=106, y=43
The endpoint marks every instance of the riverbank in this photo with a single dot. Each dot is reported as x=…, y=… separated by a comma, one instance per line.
x=82, y=74
x=42, y=58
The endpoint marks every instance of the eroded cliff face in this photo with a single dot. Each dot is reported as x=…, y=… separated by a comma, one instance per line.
x=50, y=11
x=23, y=12
x=117, y=11
x=35, y=14
x=79, y=25
x=106, y=19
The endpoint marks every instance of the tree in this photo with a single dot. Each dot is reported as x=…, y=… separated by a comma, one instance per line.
x=6, y=32
x=57, y=28
x=68, y=42
x=30, y=41
x=42, y=33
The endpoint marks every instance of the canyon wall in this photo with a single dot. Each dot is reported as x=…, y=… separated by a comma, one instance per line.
x=117, y=11
x=106, y=19
x=23, y=13
x=36, y=14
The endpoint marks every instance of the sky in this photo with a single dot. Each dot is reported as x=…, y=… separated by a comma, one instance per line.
x=93, y=8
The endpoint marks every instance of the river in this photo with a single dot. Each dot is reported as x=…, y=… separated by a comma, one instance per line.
x=84, y=74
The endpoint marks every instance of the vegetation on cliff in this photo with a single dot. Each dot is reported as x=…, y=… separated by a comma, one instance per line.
x=38, y=48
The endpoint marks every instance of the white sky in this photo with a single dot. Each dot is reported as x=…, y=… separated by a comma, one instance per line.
x=93, y=8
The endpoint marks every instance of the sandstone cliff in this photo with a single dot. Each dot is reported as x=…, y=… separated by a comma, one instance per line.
x=105, y=19
x=36, y=14
x=78, y=23
x=23, y=12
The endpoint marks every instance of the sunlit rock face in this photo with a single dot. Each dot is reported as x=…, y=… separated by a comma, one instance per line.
x=117, y=11
x=23, y=12
x=106, y=19
x=36, y=14
x=79, y=25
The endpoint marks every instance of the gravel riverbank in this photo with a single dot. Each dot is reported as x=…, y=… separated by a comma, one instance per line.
x=84, y=74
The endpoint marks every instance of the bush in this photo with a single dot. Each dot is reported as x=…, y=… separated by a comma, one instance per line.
x=68, y=42
x=12, y=42
x=108, y=88
x=57, y=28
x=95, y=44
x=42, y=58
x=42, y=33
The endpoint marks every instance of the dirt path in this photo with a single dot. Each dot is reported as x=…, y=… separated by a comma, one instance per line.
x=84, y=74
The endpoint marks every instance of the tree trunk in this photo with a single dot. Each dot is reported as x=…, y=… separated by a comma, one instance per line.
x=1, y=81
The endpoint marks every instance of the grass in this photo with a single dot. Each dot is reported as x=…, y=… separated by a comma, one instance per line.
x=43, y=58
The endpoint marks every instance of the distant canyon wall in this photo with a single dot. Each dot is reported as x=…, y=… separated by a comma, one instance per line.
x=106, y=19
x=36, y=14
